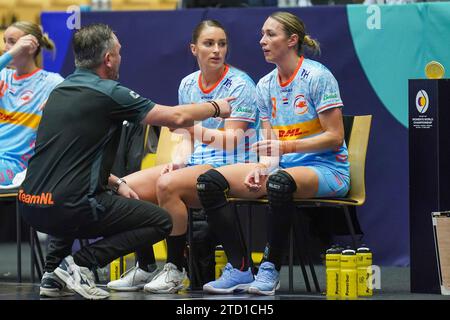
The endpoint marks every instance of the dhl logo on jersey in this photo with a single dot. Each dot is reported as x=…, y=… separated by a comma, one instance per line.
x=43, y=198
x=20, y=118
x=298, y=130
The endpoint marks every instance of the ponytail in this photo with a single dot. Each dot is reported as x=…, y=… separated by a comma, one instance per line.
x=311, y=44
x=35, y=30
x=47, y=43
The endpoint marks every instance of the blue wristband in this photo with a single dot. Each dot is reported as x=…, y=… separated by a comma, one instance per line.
x=5, y=59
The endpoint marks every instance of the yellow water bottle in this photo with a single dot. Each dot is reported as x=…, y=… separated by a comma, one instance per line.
x=221, y=260
x=114, y=269
x=332, y=266
x=364, y=266
x=348, y=275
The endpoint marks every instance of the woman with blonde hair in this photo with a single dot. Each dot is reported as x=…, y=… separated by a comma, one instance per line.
x=24, y=89
x=303, y=154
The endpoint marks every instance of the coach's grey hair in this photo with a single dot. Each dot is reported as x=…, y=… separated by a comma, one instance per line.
x=90, y=44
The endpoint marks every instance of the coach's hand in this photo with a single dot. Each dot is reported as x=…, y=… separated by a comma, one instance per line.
x=224, y=106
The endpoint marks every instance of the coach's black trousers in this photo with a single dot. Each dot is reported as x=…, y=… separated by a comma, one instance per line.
x=125, y=225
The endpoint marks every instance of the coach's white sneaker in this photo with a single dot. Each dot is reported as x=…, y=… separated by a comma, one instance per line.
x=169, y=280
x=53, y=287
x=79, y=279
x=133, y=280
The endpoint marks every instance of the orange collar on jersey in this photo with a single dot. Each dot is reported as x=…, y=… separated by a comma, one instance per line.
x=208, y=90
x=16, y=77
x=299, y=64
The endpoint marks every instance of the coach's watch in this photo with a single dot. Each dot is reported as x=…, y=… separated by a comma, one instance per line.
x=117, y=184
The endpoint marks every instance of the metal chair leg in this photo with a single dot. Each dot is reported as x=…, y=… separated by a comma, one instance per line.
x=38, y=258
x=291, y=261
x=189, y=240
x=304, y=245
x=291, y=264
x=37, y=261
x=32, y=255
x=19, y=242
x=240, y=232
x=190, y=237
x=249, y=235
x=314, y=276
x=121, y=265
x=37, y=266
x=301, y=258
x=39, y=250
x=350, y=227
x=301, y=255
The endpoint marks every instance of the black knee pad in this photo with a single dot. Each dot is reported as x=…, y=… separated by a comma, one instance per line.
x=280, y=187
x=212, y=188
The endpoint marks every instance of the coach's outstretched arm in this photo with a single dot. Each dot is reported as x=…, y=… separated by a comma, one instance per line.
x=185, y=115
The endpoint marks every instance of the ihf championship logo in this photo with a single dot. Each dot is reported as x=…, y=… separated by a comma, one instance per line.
x=422, y=101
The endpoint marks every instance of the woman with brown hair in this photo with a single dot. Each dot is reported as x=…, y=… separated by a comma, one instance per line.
x=213, y=143
x=303, y=154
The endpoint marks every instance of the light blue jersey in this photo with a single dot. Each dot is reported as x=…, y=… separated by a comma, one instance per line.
x=21, y=102
x=233, y=83
x=293, y=107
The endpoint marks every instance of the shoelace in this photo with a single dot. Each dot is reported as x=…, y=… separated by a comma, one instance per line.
x=127, y=272
x=169, y=270
x=134, y=269
x=227, y=272
x=93, y=289
x=164, y=270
